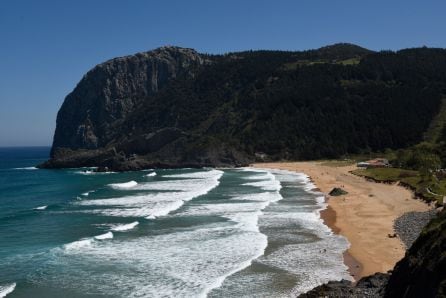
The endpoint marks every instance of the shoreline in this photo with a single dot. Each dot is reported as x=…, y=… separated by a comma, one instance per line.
x=365, y=216
x=328, y=216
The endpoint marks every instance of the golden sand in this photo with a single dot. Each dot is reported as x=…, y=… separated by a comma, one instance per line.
x=365, y=216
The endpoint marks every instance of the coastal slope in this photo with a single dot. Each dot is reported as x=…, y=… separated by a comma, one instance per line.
x=175, y=107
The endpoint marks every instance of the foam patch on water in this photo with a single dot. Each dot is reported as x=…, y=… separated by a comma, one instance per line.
x=270, y=185
x=41, y=208
x=125, y=185
x=156, y=204
x=92, y=172
x=260, y=176
x=153, y=174
x=76, y=245
x=196, y=175
x=26, y=168
x=86, y=194
x=181, y=264
x=124, y=227
x=108, y=235
x=6, y=289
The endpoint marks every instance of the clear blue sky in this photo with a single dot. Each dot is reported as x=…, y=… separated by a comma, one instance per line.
x=46, y=46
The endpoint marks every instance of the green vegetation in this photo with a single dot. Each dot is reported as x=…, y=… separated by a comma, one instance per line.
x=350, y=61
x=338, y=162
x=250, y=103
x=419, y=166
x=426, y=187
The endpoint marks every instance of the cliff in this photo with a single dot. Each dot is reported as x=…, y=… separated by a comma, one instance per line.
x=422, y=272
x=112, y=90
x=174, y=107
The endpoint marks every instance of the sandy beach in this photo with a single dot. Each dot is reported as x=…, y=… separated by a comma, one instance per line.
x=365, y=216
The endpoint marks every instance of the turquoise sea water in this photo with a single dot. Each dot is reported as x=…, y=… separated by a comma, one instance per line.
x=160, y=233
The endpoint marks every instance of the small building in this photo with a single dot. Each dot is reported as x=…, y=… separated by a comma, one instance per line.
x=374, y=163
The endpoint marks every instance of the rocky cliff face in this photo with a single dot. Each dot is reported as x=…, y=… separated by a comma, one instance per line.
x=422, y=272
x=112, y=90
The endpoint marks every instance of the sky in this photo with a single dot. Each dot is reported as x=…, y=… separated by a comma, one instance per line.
x=47, y=46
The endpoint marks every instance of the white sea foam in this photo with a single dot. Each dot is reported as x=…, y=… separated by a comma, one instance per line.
x=183, y=263
x=92, y=172
x=86, y=194
x=26, y=168
x=270, y=185
x=7, y=289
x=41, y=208
x=153, y=174
x=260, y=176
x=125, y=185
x=156, y=204
x=267, y=180
x=196, y=175
x=76, y=245
x=125, y=227
x=108, y=235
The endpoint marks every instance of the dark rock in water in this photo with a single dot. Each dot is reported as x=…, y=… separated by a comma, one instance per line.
x=370, y=286
x=102, y=170
x=422, y=271
x=337, y=192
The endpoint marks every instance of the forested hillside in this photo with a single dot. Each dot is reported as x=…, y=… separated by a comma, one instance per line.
x=223, y=109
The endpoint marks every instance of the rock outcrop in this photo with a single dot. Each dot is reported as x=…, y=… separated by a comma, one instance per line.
x=337, y=191
x=422, y=271
x=370, y=286
x=112, y=90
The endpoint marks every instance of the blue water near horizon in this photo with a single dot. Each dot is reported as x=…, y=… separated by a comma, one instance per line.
x=160, y=233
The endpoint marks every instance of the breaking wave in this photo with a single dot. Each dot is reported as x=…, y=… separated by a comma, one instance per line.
x=124, y=227
x=7, y=289
x=41, y=208
x=125, y=185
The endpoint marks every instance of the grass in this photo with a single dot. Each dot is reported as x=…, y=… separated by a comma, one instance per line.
x=338, y=162
x=351, y=61
x=294, y=65
x=412, y=178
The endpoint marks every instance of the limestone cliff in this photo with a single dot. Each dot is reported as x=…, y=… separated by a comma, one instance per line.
x=112, y=90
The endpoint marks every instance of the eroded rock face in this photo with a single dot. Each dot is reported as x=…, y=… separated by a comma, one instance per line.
x=422, y=271
x=113, y=89
x=369, y=286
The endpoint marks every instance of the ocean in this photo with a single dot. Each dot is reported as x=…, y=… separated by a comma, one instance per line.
x=160, y=233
